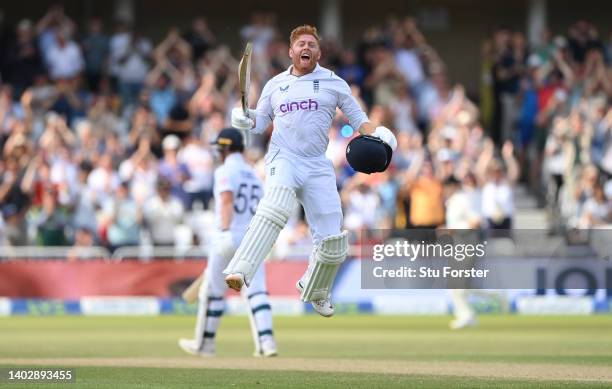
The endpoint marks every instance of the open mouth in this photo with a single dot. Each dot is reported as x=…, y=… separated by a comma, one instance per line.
x=305, y=56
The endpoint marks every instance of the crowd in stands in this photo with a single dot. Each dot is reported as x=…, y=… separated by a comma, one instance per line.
x=553, y=102
x=105, y=136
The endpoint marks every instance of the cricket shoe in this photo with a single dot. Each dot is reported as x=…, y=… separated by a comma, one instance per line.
x=464, y=322
x=190, y=346
x=235, y=281
x=267, y=346
x=323, y=307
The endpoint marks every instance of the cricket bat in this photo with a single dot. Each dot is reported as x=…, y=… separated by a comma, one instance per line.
x=244, y=76
x=190, y=294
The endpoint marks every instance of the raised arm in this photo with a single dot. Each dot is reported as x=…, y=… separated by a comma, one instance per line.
x=358, y=119
x=511, y=163
x=223, y=240
x=256, y=120
x=264, y=114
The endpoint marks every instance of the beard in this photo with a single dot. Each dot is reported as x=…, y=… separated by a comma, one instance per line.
x=303, y=65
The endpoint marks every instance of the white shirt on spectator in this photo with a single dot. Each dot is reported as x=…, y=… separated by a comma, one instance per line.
x=402, y=113
x=362, y=210
x=199, y=161
x=474, y=196
x=460, y=212
x=103, y=184
x=163, y=217
x=597, y=211
x=336, y=150
x=119, y=44
x=66, y=61
x=409, y=64
x=497, y=201
x=142, y=181
x=260, y=35
x=555, y=163
x=606, y=161
x=63, y=173
x=85, y=210
x=2, y=231
x=135, y=67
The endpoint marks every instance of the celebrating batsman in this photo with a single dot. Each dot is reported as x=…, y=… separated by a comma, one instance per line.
x=302, y=103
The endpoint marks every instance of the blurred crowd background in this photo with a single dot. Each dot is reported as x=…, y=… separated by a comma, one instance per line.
x=105, y=134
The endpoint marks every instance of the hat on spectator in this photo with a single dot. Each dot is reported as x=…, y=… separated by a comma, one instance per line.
x=171, y=142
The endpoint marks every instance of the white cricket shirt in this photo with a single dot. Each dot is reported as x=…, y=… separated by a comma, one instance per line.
x=303, y=108
x=238, y=177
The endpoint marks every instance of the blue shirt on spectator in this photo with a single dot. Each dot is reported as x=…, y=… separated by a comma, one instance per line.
x=162, y=101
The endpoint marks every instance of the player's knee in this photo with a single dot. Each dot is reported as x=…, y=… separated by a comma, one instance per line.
x=277, y=205
x=328, y=257
x=326, y=225
x=333, y=248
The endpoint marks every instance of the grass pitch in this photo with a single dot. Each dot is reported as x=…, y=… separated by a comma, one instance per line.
x=356, y=351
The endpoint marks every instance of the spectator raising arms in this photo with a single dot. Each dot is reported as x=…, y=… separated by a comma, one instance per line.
x=82, y=123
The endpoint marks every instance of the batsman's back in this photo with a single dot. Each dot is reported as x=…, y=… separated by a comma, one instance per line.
x=237, y=176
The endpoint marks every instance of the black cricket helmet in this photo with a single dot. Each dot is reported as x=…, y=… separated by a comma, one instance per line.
x=229, y=139
x=368, y=154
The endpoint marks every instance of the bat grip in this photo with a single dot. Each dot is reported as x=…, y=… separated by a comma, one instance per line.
x=245, y=107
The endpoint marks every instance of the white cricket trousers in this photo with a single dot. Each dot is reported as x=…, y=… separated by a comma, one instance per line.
x=314, y=182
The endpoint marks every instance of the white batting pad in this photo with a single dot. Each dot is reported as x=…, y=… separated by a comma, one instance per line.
x=328, y=256
x=271, y=216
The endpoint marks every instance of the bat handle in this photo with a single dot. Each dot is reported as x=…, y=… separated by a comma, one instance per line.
x=245, y=106
x=246, y=134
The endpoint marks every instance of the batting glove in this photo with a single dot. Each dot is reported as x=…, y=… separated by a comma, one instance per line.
x=242, y=121
x=384, y=134
x=224, y=244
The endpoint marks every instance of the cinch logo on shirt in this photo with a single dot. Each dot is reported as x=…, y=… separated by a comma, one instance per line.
x=309, y=105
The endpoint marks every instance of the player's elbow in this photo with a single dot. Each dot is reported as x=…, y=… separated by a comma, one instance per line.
x=261, y=125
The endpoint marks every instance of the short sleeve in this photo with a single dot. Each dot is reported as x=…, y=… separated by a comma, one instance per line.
x=223, y=181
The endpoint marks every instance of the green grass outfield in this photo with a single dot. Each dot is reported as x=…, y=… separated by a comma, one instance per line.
x=350, y=351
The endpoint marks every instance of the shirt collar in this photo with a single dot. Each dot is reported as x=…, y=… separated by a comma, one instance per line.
x=234, y=157
x=316, y=69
